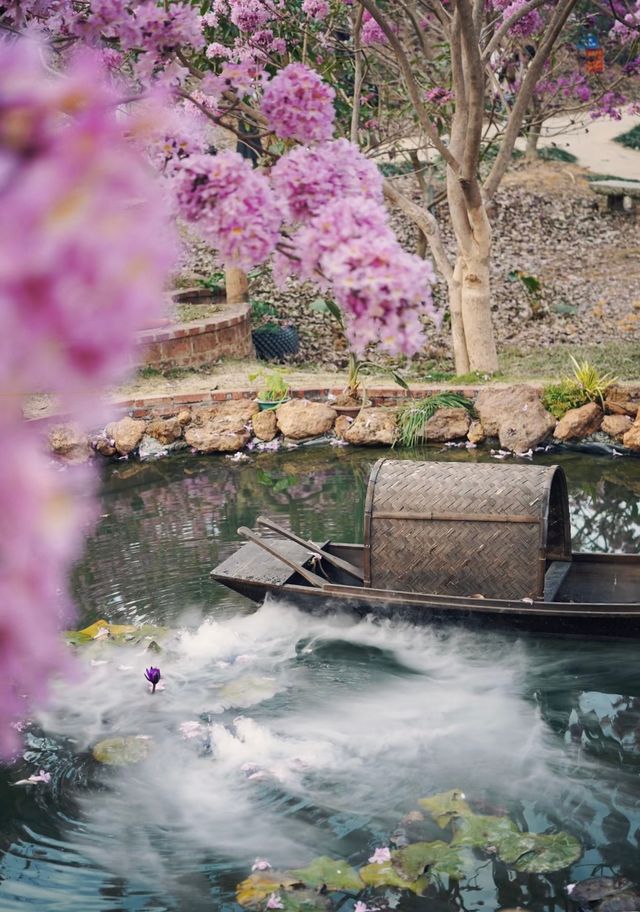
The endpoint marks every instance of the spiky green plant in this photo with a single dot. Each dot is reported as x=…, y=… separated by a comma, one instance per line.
x=414, y=415
x=590, y=381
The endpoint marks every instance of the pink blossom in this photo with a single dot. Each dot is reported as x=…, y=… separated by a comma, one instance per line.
x=190, y=729
x=231, y=205
x=528, y=24
x=299, y=105
x=35, y=778
x=274, y=902
x=316, y=9
x=361, y=907
x=261, y=864
x=371, y=32
x=380, y=856
x=308, y=178
x=249, y=15
x=439, y=95
x=83, y=260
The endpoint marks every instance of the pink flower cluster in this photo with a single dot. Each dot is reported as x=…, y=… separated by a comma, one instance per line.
x=350, y=248
x=439, y=96
x=249, y=15
x=299, y=105
x=371, y=33
x=231, y=205
x=84, y=253
x=316, y=9
x=310, y=177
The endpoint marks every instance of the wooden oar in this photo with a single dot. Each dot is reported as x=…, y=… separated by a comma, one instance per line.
x=310, y=577
x=336, y=561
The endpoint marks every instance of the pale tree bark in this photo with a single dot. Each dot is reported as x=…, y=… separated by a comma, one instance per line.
x=236, y=285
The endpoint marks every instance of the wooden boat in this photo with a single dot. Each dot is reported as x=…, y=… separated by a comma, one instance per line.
x=485, y=544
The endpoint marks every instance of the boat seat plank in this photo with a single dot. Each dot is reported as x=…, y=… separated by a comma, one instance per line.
x=254, y=564
x=554, y=578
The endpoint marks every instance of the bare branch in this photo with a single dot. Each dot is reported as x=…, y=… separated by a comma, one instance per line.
x=508, y=24
x=560, y=16
x=426, y=222
x=412, y=87
x=357, y=79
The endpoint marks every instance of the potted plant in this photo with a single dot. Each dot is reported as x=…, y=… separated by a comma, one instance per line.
x=271, y=341
x=354, y=396
x=274, y=391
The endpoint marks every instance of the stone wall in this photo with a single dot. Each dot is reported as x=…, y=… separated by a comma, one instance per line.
x=201, y=342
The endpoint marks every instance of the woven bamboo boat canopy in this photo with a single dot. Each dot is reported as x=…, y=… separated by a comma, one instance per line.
x=465, y=529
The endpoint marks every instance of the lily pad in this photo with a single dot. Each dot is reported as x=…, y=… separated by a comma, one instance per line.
x=622, y=902
x=329, y=872
x=534, y=853
x=483, y=832
x=445, y=806
x=244, y=692
x=122, y=751
x=304, y=901
x=594, y=888
x=440, y=857
x=118, y=633
x=385, y=875
x=261, y=884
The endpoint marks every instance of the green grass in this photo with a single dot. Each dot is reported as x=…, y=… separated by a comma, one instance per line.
x=619, y=358
x=555, y=153
x=630, y=139
x=610, y=177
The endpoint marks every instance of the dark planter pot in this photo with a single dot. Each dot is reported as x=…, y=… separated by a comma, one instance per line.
x=266, y=404
x=350, y=411
x=275, y=343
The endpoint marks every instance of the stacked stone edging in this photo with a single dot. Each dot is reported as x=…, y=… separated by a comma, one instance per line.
x=229, y=421
x=200, y=342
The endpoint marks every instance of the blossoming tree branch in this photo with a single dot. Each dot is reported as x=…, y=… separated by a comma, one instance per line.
x=110, y=112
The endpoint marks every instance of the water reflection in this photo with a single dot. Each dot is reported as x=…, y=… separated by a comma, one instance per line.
x=357, y=719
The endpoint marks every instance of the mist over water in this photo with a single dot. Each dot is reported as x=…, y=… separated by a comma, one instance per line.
x=310, y=735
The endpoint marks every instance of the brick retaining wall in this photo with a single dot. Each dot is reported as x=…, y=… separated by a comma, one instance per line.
x=201, y=342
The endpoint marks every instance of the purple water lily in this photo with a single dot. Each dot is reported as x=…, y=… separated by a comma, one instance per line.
x=153, y=677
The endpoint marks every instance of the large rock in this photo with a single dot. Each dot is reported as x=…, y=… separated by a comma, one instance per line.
x=516, y=416
x=628, y=408
x=223, y=429
x=68, y=442
x=447, y=424
x=372, y=426
x=476, y=433
x=165, y=430
x=579, y=422
x=265, y=426
x=126, y=434
x=616, y=426
x=632, y=437
x=301, y=418
x=494, y=405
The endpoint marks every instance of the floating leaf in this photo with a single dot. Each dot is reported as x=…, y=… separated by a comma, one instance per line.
x=385, y=875
x=622, y=902
x=594, y=888
x=445, y=806
x=335, y=874
x=304, y=901
x=118, y=633
x=244, y=692
x=121, y=751
x=439, y=857
x=261, y=884
x=535, y=853
x=483, y=832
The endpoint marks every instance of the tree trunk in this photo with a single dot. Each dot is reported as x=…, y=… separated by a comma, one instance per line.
x=533, y=135
x=460, y=355
x=475, y=300
x=237, y=285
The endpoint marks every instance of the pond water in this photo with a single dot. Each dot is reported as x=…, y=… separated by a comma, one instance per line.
x=315, y=736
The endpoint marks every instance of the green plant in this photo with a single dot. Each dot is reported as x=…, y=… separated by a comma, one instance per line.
x=558, y=398
x=262, y=314
x=556, y=153
x=274, y=388
x=412, y=418
x=355, y=365
x=214, y=283
x=590, y=381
